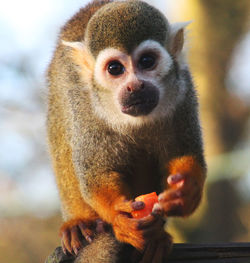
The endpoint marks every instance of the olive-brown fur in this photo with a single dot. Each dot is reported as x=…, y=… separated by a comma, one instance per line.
x=115, y=24
x=74, y=29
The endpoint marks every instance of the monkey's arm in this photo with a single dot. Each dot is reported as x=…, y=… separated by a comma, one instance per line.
x=105, y=189
x=107, y=194
x=187, y=168
x=77, y=214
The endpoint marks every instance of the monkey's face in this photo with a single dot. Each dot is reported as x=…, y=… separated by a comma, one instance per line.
x=137, y=81
x=125, y=64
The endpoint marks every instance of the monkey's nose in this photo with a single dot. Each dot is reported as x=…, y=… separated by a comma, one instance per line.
x=135, y=87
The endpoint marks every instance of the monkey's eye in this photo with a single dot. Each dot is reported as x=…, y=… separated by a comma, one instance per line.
x=147, y=61
x=115, y=68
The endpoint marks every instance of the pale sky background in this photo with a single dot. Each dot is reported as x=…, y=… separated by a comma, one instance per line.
x=28, y=32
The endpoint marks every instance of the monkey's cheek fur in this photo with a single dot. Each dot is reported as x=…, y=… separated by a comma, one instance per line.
x=139, y=103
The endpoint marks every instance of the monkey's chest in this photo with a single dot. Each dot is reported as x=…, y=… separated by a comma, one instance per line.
x=146, y=176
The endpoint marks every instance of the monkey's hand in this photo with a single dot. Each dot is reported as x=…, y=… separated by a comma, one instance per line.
x=75, y=231
x=136, y=232
x=157, y=249
x=185, y=187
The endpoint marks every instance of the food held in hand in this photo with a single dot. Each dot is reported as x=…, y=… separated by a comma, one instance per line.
x=149, y=200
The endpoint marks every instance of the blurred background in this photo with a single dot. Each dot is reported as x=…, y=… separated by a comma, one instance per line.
x=218, y=41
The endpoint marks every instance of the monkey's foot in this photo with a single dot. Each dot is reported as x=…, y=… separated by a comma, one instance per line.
x=77, y=231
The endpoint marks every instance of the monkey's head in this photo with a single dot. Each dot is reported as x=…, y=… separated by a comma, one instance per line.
x=129, y=59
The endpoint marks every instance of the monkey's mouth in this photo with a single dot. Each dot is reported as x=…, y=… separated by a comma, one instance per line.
x=140, y=101
x=140, y=106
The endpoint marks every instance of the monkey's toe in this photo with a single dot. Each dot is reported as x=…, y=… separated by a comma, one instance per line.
x=77, y=233
x=74, y=233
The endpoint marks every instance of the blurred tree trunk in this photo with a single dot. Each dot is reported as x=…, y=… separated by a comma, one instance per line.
x=218, y=26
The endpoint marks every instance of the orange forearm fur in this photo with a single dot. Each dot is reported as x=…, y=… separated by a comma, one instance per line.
x=107, y=195
x=187, y=165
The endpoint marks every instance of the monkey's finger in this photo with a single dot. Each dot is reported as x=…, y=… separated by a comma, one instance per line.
x=169, y=195
x=157, y=210
x=129, y=206
x=174, y=208
x=66, y=240
x=147, y=221
x=191, y=188
x=86, y=232
x=75, y=241
x=175, y=178
x=150, y=220
x=185, y=192
x=124, y=206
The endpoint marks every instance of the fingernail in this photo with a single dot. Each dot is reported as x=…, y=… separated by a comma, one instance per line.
x=175, y=178
x=76, y=250
x=138, y=205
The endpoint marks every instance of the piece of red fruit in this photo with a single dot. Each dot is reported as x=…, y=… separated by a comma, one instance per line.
x=149, y=200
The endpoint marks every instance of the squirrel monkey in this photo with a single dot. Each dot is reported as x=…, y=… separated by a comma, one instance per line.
x=122, y=121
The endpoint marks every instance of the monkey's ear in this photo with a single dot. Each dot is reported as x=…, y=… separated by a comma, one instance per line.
x=74, y=45
x=177, y=37
x=82, y=57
